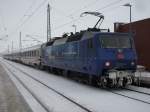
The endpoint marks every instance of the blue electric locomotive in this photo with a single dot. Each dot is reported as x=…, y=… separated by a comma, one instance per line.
x=105, y=58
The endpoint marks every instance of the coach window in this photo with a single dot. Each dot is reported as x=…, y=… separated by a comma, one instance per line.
x=34, y=53
x=37, y=53
x=31, y=53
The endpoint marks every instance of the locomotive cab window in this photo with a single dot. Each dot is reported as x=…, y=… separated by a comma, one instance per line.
x=115, y=42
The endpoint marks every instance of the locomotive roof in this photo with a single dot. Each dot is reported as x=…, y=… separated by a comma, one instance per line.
x=60, y=41
x=63, y=40
x=83, y=35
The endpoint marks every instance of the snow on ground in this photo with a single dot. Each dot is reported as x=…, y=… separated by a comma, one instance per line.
x=134, y=94
x=35, y=106
x=53, y=101
x=140, y=89
x=95, y=99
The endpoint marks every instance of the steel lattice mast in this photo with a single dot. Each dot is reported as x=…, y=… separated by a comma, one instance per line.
x=48, y=24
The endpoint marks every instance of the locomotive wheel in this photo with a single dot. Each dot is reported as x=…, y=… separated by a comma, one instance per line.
x=102, y=82
x=124, y=82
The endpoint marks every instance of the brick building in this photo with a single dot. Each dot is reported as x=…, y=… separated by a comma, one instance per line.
x=141, y=29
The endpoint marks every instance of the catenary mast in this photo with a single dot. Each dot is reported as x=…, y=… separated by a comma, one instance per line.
x=48, y=24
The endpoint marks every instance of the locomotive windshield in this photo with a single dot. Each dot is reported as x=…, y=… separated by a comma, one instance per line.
x=115, y=42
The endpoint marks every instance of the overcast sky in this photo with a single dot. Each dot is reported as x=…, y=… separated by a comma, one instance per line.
x=29, y=17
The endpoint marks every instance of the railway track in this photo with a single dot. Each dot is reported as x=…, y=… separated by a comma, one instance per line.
x=137, y=91
x=54, y=90
x=86, y=109
x=33, y=95
x=127, y=96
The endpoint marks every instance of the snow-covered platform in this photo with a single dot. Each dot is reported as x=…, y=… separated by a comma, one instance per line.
x=10, y=98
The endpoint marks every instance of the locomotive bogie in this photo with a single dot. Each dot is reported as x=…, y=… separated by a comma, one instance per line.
x=120, y=78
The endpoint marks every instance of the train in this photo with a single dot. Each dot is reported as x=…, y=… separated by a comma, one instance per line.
x=101, y=58
x=95, y=55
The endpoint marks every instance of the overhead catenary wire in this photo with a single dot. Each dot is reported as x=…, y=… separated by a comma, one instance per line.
x=109, y=5
x=102, y=8
x=29, y=16
x=70, y=16
x=25, y=14
x=62, y=25
x=88, y=5
x=2, y=20
x=78, y=18
x=59, y=26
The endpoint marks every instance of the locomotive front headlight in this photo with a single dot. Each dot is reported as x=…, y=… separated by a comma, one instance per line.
x=107, y=64
x=132, y=63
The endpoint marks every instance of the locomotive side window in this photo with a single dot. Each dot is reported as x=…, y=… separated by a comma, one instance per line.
x=115, y=42
x=90, y=48
x=90, y=43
